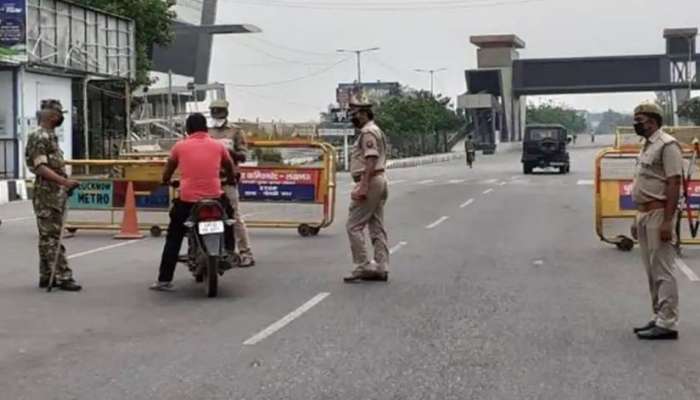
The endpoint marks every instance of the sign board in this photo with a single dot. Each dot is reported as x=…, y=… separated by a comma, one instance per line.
x=336, y=132
x=107, y=195
x=279, y=184
x=13, y=31
x=626, y=202
x=92, y=195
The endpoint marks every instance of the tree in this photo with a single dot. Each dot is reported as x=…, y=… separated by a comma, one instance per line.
x=691, y=110
x=153, y=23
x=551, y=113
x=414, y=116
x=611, y=120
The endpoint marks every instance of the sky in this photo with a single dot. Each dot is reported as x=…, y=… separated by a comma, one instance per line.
x=290, y=71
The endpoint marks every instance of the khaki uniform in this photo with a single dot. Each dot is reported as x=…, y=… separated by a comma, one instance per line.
x=660, y=158
x=370, y=142
x=49, y=202
x=235, y=142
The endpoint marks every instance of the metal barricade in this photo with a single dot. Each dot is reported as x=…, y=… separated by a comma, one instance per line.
x=614, y=208
x=98, y=203
x=269, y=188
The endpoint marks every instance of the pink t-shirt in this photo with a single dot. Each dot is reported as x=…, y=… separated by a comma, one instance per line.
x=199, y=159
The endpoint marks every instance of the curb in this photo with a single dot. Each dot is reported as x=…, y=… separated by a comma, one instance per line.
x=12, y=190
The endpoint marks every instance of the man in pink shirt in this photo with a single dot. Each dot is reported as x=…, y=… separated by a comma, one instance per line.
x=200, y=160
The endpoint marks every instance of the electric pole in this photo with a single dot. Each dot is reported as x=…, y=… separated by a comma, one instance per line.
x=358, y=54
x=432, y=73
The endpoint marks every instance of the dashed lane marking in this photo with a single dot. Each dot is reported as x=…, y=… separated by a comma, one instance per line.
x=397, y=247
x=396, y=182
x=270, y=330
x=585, y=182
x=466, y=203
x=427, y=181
x=487, y=191
x=502, y=183
x=686, y=270
x=457, y=181
x=19, y=219
x=101, y=249
x=490, y=181
x=438, y=222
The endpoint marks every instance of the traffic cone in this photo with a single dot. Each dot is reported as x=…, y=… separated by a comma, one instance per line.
x=130, y=223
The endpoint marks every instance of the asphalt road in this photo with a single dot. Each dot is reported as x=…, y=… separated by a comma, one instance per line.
x=499, y=290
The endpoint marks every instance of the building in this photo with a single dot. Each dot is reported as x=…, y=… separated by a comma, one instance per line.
x=80, y=56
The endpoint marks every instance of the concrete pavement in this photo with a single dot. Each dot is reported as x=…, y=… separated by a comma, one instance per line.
x=499, y=290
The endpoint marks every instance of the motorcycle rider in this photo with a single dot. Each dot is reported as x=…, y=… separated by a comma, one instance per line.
x=232, y=137
x=200, y=160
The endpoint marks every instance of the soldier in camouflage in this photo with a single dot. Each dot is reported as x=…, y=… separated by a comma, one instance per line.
x=234, y=141
x=44, y=158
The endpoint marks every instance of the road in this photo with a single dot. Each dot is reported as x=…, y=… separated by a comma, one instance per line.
x=499, y=290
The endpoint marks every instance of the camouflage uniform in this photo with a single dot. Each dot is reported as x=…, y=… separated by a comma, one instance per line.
x=234, y=141
x=49, y=202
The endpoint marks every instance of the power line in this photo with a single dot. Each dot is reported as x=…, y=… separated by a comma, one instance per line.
x=291, y=49
x=283, y=82
x=415, y=6
x=276, y=57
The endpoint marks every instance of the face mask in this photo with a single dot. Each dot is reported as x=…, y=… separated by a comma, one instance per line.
x=60, y=121
x=639, y=129
x=356, y=122
x=218, y=122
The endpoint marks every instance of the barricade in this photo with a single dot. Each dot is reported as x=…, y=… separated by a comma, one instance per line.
x=273, y=191
x=614, y=172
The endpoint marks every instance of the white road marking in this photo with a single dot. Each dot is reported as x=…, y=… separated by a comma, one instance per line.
x=286, y=319
x=686, y=270
x=436, y=223
x=397, y=247
x=586, y=182
x=427, y=181
x=490, y=181
x=457, y=181
x=466, y=203
x=396, y=182
x=487, y=191
x=16, y=219
x=502, y=183
x=100, y=249
x=538, y=262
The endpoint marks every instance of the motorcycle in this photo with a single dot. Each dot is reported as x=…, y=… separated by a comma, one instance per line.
x=207, y=257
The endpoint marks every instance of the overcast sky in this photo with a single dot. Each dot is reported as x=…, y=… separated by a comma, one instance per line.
x=298, y=42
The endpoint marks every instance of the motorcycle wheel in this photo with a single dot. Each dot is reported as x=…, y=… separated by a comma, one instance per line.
x=211, y=276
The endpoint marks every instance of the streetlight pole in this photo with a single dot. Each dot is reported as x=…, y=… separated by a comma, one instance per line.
x=432, y=73
x=358, y=54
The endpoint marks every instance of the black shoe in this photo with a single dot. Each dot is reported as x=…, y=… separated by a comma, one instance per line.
x=646, y=327
x=376, y=276
x=68, y=285
x=658, y=333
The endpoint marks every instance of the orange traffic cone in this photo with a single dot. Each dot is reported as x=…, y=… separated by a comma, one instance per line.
x=130, y=223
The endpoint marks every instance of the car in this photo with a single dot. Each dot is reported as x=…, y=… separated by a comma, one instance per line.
x=544, y=146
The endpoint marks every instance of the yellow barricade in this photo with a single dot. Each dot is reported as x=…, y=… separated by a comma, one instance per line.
x=271, y=186
x=614, y=208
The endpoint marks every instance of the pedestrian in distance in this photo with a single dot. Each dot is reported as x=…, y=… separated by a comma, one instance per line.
x=656, y=191
x=470, y=150
x=233, y=139
x=44, y=158
x=368, y=198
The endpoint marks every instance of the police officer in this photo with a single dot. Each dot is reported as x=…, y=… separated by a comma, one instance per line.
x=44, y=158
x=234, y=141
x=656, y=191
x=367, y=165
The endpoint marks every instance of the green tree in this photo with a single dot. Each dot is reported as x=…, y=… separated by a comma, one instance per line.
x=153, y=20
x=551, y=113
x=611, y=120
x=691, y=110
x=414, y=119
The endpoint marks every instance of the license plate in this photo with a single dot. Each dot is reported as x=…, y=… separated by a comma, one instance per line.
x=209, y=228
